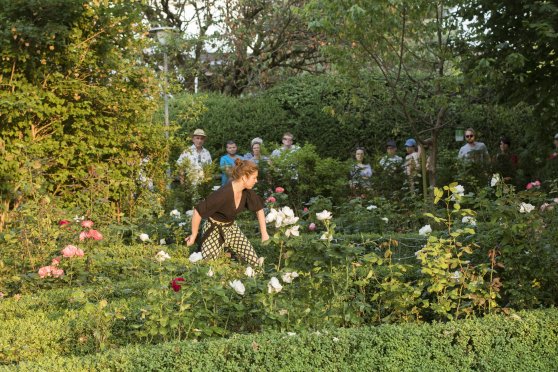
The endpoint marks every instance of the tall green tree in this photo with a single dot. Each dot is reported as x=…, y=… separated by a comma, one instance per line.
x=238, y=46
x=408, y=44
x=511, y=46
x=76, y=103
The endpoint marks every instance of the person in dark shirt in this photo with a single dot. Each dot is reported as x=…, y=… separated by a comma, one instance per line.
x=221, y=208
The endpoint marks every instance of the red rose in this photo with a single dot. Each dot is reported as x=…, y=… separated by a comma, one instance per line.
x=174, y=284
x=63, y=222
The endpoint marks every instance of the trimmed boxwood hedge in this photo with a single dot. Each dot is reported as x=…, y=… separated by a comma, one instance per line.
x=522, y=341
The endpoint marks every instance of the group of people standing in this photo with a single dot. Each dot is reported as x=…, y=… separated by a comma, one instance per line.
x=390, y=163
x=196, y=156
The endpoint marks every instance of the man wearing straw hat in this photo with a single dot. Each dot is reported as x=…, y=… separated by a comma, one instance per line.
x=194, y=158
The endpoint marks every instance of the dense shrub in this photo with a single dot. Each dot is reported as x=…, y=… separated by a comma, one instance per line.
x=522, y=341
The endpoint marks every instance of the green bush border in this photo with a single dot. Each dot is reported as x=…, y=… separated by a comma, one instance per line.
x=522, y=341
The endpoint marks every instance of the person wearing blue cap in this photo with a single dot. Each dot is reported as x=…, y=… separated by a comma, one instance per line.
x=411, y=165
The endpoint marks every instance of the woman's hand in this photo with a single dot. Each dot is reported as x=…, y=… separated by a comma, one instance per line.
x=265, y=237
x=190, y=240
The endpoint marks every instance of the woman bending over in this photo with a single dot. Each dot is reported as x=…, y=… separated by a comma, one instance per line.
x=221, y=208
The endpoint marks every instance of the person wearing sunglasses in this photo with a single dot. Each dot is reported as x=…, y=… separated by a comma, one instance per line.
x=287, y=145
x=473, y=150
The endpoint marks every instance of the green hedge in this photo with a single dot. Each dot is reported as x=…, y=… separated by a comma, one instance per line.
x=522, y=341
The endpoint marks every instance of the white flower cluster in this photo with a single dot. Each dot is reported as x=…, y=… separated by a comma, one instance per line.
x=284, y=217
x=469, y=220
x=162, y=256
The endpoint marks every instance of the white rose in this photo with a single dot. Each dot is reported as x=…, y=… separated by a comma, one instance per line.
x=495, y=179
x=526, y=208
x=249, y=272
x=162, y=256
x=289, y=220
x=323, y=215
x=274, y=286
x=460, y=190
x=238, y=287
x=175, y=213
x=271, y=216
x=370, y=207
x=210, y=273
x=385, y=219
x=144, y=237
x=190, y=213
x=425, y=230
x=288, y=212
x=162, y=242
x=288, y=277
x=292, y=231
x=195, y=257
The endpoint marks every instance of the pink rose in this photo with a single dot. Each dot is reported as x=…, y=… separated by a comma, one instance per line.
x=83, y=235
x=95, y=235
x=44, y=271
x=87, y=224
x=56, y=261
x=63, y=222
x=537, y=183
x=79, y=253
x=69, y=251
x=279, y=189
x=271, y=199
x=56, y=272
x=529, y=186
x=305, y=210
x=312, y=226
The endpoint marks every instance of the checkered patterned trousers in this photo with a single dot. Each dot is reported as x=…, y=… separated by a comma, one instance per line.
x=226, y=235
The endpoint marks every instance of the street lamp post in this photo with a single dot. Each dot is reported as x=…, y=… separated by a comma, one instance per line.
x=162, y=34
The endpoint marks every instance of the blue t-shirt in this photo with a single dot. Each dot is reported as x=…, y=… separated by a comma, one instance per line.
x=225, y=162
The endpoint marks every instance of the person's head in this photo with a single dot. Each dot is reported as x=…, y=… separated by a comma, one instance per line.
x=198, y=138
x=391, y=147
x=411, y=145
x=257, y=146
x=359, y=154
x=556, y=140
x=287, y=140
x=246, y=172
x=505, y=144
x=470, y=135
x=231, y=148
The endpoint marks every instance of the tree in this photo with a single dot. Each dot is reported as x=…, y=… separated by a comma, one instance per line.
x=238, y=45
x=76, y=103
x=512, y=47
x=409, y=46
